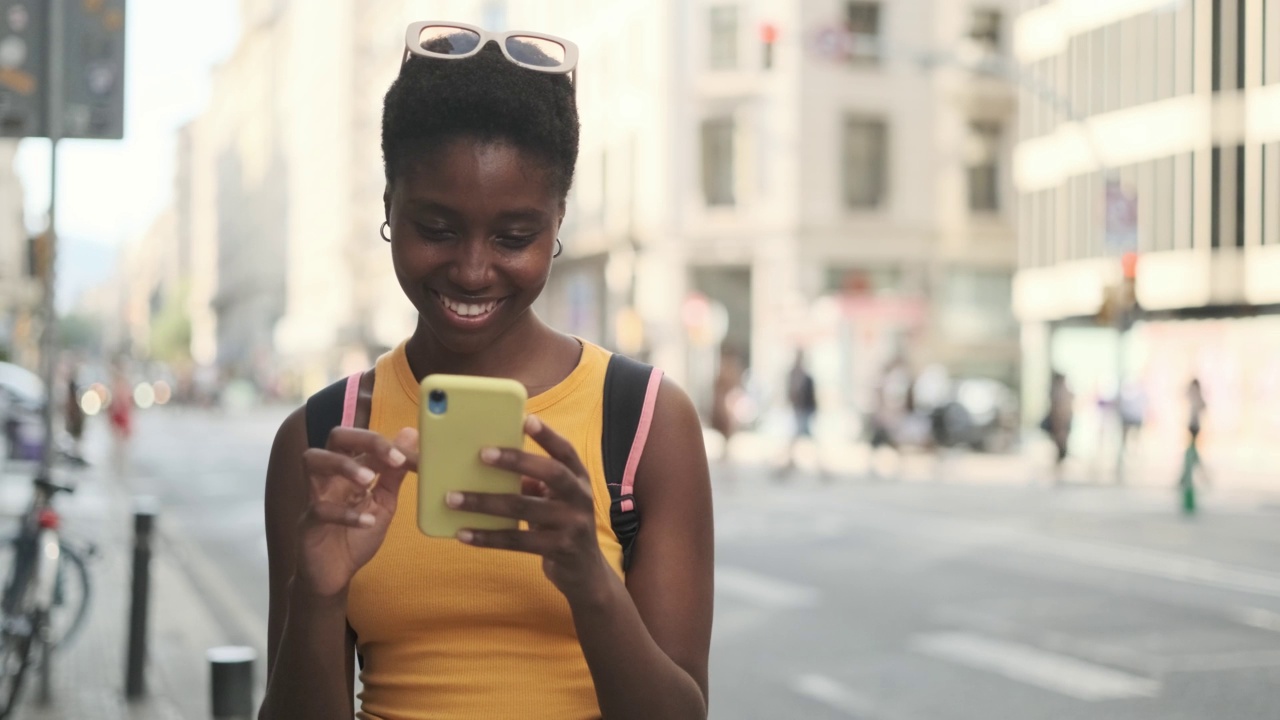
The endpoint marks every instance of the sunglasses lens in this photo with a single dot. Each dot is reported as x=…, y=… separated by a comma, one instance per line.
x=445, y=40
x=536, y=51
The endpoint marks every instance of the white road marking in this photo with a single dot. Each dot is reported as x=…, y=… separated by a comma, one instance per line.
x=764, y=590
x=1108, y=556
x=1259, y=618
x=1218, y=662
x=1030, y=665
x=823, y=689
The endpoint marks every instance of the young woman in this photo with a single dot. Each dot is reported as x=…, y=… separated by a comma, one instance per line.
x=480, y=138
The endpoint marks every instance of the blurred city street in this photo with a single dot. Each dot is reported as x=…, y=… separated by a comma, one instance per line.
x=845, y=598
x=977, y=303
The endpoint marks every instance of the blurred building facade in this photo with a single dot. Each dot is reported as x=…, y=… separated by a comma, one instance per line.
x=772, y=174
x=19, y=289
x=1176, y=107
x=765, y=174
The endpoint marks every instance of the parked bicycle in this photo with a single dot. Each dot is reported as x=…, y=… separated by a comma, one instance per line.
x=46, y=594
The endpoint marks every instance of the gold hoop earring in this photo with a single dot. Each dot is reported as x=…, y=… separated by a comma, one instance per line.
x=559, y=249
x=384, y=231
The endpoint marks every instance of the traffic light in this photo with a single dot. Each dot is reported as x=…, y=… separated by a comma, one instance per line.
x=93, y=84
x=92, y=81
x=23, y=34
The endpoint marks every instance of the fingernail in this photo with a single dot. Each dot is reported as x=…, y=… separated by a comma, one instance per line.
x=532, y=424
x=466, y=536
x=490, y=454
x=453, y=499
x=365, y=476
x=395, y=457
x=366, y=520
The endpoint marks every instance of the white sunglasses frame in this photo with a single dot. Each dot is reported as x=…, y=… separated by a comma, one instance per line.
x=413, y=45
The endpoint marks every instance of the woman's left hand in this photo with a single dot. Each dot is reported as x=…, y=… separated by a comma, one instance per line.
x=556, y=502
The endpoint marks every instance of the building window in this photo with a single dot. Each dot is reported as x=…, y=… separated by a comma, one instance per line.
x=717, y=161
x=723, y=37
x=984, y=29
x=863, y=22
x=984, y=166
x=865, y=155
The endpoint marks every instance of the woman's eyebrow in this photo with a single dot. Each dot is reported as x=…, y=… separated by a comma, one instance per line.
x=529, y=214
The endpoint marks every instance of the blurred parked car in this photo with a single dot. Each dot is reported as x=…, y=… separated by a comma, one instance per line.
x=981, y=414
x=22, y=397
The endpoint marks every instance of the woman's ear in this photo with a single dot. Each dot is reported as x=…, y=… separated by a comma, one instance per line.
x=386, y=202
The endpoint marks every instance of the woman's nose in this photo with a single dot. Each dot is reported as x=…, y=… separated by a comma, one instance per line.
x=472, y=269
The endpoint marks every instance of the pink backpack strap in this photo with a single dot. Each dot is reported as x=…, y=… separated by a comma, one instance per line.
x=349, y=400
x=642, y=435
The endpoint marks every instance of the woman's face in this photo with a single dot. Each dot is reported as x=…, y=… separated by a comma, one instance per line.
x=473, y=227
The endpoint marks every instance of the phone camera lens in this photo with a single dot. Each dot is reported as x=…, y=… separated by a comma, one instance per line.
x=437, y=402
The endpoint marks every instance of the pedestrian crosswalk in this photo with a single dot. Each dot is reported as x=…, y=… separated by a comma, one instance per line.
x=1027, y=664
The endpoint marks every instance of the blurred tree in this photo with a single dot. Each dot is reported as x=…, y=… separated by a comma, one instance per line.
x=81, y=333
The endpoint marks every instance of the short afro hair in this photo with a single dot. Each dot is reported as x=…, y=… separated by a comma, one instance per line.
x=434, y=101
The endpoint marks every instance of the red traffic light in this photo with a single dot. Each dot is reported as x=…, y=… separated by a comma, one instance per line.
x=1129, y=265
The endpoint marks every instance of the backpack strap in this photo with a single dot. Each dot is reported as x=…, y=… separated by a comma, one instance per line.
x=630, y=393
x=345, y=403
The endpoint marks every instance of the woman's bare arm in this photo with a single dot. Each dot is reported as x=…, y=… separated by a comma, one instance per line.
x=647, y=645
x=310, y=649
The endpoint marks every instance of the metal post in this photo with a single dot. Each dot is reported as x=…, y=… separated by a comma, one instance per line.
x=231, y=682
x=49, y=315
x=144, y=516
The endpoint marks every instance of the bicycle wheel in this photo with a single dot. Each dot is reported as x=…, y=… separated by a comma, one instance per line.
x=71, y=591
x=71, y=595
x=17, y=636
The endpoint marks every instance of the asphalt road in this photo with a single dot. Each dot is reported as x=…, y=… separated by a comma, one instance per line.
x=885, y=601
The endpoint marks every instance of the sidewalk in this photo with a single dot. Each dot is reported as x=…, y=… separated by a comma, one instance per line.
x=89, y=674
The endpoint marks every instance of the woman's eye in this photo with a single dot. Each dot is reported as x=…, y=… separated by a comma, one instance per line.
x=436, y=233
x=517, y=241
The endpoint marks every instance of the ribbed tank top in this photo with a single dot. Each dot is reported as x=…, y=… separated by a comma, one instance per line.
x=448, y=631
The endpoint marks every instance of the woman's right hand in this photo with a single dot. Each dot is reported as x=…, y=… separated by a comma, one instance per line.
x=353, y=484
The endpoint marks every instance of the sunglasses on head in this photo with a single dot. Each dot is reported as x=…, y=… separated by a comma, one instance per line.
x=454, y=41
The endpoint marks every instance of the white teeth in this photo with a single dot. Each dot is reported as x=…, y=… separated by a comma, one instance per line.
x=468, y=309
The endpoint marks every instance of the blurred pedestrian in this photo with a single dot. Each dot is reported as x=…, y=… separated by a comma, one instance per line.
x=802, y=395
x=1057, y=423
x=1132, y=410
x=74, y=414
x=120, y=417
x=894, y=401
x=725, y=395
x=1191, y=462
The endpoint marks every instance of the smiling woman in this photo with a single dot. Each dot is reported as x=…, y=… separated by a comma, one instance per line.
x=585, y=615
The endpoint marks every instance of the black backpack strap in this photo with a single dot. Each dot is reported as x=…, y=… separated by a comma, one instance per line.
x=630, y=392
x=324, y=413
x=345, y=402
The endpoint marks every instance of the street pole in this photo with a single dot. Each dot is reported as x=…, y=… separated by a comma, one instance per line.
x=48, y=334
x=48, y=330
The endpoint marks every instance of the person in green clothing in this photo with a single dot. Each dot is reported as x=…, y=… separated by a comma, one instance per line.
x=1191, y=457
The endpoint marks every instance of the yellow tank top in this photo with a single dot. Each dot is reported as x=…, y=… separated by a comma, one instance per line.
x=448, y=631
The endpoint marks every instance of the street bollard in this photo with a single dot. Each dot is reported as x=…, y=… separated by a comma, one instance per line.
x=144, y=519
x=231, y=681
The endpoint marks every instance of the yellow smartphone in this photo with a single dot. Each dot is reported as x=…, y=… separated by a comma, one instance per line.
x=459, y=415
